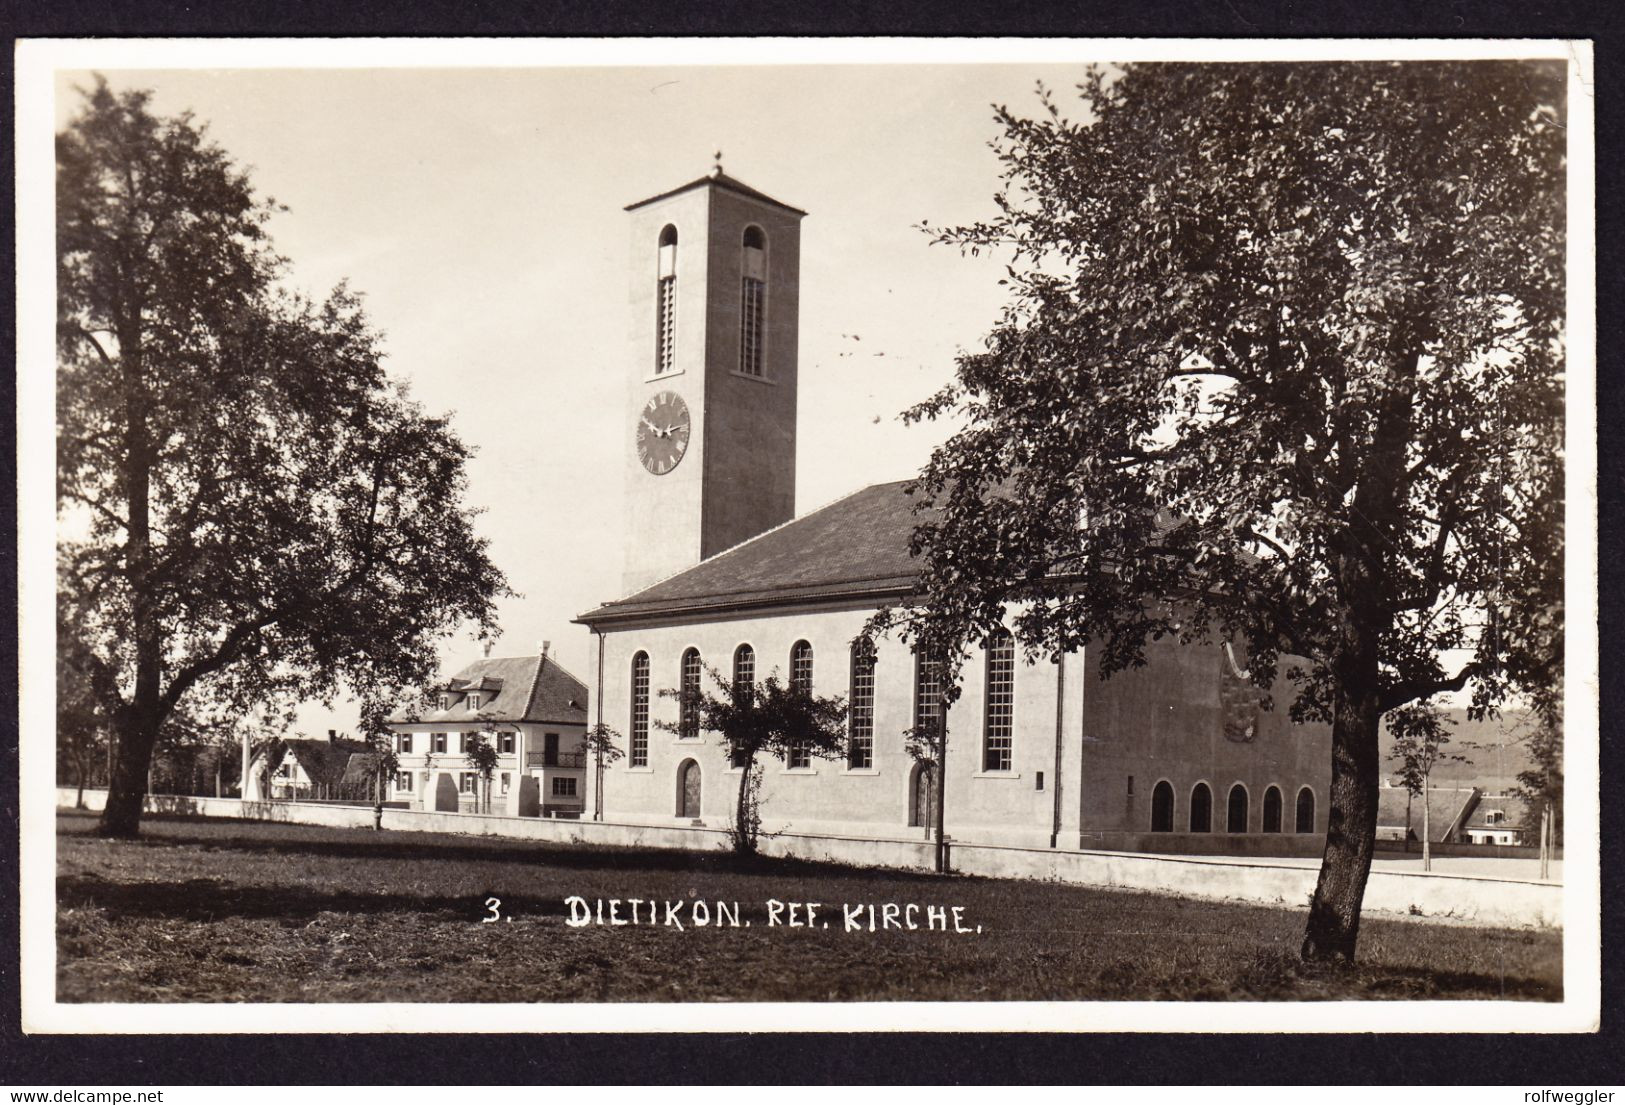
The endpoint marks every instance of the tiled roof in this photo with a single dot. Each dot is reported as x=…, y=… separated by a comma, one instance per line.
x=1515, y=813
x=324, y=761
x=526, y=688
x=855, y=545
x=1447, y=809
x=720, y=180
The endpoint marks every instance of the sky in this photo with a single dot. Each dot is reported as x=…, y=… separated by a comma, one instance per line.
x=479, y=211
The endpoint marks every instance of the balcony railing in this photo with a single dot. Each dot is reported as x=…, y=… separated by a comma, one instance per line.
x=556, y=759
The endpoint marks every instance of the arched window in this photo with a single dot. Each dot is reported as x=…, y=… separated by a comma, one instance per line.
x=744, y=684
x=638, y=754
x=666, y=303
x=1201, y=809
x=860, y=743
x=1306, y=811
x=1236, y=816
x=801, y=679
x=999, y=717
x=928, y=717
x=688, y=721
x=1272, y=810
x=744, y=670
x=1162, y=808
x=752, y=300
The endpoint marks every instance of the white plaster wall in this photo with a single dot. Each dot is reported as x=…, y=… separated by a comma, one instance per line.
x=828, y=797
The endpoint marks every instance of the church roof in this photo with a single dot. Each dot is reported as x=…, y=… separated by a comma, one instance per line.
x=855, y=546
x=526, y=688
x=720, y=180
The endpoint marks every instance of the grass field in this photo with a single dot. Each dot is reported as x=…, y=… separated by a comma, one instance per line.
x=215, y=910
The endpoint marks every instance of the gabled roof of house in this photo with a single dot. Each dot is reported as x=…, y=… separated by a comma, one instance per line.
x=512, y=689
x=857, y=545
x=1516, y=811
x=718, y=179
x=1448, y=809
x=324, y=761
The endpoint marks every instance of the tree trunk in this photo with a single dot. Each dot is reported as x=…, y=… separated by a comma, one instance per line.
x=744, y=835
x=79, y=773
x=1351, y=823
x=1427, y=829
x=940, y=783
x=127, y=789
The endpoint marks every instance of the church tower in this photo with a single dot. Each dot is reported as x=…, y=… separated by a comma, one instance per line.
x=711, y=422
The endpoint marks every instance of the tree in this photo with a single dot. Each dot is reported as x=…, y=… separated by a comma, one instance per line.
x=252, y=510
x=602, y=742
x=1282, y=365
x=770, y=717
x=481, y=755
x=81, y=725
x=1419, y=740
x=1541, y=786
x=269, y=753
x=380, y=740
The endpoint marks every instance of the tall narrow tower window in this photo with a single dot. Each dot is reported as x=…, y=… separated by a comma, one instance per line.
x=752, y=301
x=666, y=317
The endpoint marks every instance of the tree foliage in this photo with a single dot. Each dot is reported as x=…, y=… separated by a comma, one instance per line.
x=1282, y=363
x=770, y=717
x=1541, y=785
x=481, y=754
x=252, y=509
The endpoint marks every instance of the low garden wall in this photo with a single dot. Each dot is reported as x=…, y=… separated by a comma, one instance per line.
x=1471, y=898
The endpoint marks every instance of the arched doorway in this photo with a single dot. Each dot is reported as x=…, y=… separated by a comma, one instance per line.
x=922, y=798
x=688, y=790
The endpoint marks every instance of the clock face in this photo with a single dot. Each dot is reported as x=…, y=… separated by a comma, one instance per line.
x=663, y=432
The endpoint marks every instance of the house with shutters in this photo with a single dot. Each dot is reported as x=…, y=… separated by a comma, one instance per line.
x=531, y=710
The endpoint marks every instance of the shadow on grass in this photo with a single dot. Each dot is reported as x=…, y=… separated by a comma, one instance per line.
x=418, y=847
x=1281, y=975
x=212, y=900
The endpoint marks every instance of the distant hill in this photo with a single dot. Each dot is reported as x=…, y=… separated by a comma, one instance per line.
x=1495, y=748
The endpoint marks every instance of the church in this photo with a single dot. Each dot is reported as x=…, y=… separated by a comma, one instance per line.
x=720, y=572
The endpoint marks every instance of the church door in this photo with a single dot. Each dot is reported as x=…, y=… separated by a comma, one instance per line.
x=921, y=799
x=690, y=791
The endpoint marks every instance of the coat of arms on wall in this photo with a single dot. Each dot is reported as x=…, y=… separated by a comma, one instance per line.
x=1238, y=698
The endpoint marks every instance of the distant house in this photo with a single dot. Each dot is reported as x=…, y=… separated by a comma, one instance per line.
x=1399, y=813
x=533, y=712
x=1503, y=819
x=311, y=768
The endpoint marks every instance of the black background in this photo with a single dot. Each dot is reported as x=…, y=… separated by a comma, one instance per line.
x=1525, y=1061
